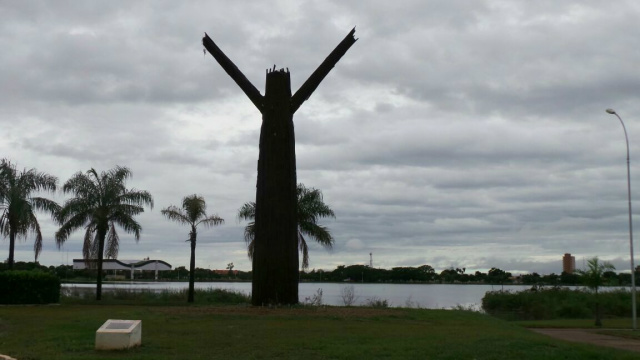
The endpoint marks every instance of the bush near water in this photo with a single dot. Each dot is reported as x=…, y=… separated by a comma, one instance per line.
x=555, y=303
x=211, y=296
x=28, y=287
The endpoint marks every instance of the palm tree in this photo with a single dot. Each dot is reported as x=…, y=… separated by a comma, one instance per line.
x=311, y=207
x=593, y=278
x=17, y=206
x=192, y=213
x=100, y=203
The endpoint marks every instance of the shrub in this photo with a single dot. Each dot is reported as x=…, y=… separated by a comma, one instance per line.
x=28, y=287
x=158, y=297
x=223, y=296
x=348, y=295
x=314, y=300
x=555, y=303
x=376, y=302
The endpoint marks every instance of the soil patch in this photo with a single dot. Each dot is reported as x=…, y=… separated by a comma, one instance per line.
x=591, y=337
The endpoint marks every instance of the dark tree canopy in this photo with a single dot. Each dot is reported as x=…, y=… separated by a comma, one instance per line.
x=99, y=203
x=18, y=205
x=311, y=208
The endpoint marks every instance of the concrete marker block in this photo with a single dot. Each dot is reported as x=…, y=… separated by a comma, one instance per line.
x=119, y=334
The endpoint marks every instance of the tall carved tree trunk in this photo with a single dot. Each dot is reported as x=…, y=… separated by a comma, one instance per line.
x=275, y=254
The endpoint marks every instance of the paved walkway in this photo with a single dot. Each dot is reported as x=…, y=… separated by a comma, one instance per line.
x=591, y=337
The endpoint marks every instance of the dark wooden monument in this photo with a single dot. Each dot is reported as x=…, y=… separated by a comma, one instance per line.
x=275, y=255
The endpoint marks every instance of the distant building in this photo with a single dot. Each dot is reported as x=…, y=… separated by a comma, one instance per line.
x=127, y=265
x=568, y=263
x=226, y=272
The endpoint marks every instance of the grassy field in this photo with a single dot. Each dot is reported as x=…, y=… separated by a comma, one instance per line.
x=240, y=332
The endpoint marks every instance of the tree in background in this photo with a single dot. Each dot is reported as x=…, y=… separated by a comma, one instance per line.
x=230, y=267
x=99, y=203
x=311, y=208
x=498, y=276
x=192, y=213
x=18, y=207
x=593, y=278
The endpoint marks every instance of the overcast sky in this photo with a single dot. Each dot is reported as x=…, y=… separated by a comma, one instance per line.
x=453, y=133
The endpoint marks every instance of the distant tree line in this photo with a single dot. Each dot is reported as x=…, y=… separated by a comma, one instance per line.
x=345, y=273
x=427, y=274
x=67, y=273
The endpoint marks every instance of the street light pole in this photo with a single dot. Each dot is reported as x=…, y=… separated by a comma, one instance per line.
x=633, y=270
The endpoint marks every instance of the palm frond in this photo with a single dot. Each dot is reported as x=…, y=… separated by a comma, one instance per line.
x=119, y=174
x=319, y=233
x=176, y=214
x=35, y=227
x=31, y=180
x=250, y=232
x=135, y=197
x=247, y=211
x=94, y=250
x=87, y=245
x=75, y=206
x=113, y=243
x=211, y=220
x=4, y=223
x=302, y=245
x=46, y=205
x=128, y=224
x=70, y=225
x=81, y=185
x=311, y=205
x=124, y=209
x=250, y=248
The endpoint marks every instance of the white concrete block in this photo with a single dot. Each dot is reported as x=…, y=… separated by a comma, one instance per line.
x=119, y=334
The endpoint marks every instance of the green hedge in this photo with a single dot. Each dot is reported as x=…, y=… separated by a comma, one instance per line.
x=555, y=303
x=28, y=287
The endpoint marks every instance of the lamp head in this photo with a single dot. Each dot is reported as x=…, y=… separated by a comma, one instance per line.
x=611, y=111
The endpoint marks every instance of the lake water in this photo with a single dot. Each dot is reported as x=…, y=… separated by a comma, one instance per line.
x=429, y=296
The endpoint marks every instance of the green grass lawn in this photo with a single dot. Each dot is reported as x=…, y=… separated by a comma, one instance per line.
x=239, y=332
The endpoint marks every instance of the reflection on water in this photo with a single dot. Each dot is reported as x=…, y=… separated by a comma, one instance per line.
x=428, y=296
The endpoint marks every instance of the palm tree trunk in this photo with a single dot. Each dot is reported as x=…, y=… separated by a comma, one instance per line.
x=101, y=236
x=192, y=267
x=275, y=256
x=12, y=247
x=598, y=315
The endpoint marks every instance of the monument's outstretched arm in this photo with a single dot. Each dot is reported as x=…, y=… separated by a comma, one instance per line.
x=233, y=71
x=322, y=71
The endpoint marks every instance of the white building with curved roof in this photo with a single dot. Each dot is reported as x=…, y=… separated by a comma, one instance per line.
x=130, y=265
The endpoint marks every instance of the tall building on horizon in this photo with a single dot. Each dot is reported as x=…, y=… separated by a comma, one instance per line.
x=568, y=263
